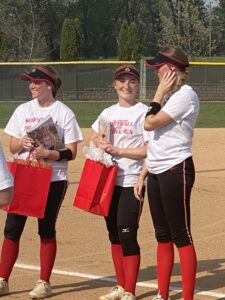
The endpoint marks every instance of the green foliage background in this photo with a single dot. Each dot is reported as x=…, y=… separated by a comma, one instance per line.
x=70, y=40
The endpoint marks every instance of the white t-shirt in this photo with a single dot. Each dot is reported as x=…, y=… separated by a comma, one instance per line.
x=30, y=113
x=171, y=144
x=6, y=179
x=126, y=131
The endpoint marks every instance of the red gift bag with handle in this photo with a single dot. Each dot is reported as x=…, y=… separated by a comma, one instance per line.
x=31, y=187
x=95, y=189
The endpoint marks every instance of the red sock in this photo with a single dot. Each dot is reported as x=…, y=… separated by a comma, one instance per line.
x=47, y=257
x=117, y=256
x=131, y=266
x=188, y=264
x=165, y=261
x=9, y=254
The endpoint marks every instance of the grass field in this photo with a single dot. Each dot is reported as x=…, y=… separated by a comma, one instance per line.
x=212, y=114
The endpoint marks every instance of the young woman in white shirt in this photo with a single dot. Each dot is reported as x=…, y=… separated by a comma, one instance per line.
x=170, y=169
x=43, y=83
x=126, y=141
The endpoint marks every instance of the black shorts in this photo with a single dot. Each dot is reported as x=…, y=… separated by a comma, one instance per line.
x=46, y=227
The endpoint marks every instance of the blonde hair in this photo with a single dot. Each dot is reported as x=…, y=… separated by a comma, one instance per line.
x=182, y=72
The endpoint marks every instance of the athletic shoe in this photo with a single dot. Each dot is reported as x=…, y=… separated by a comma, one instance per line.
x=41, y=290
x=159, y=297
x=128, y=296
x=116, y=293
x=4, y=287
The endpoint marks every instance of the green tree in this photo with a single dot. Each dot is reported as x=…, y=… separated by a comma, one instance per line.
x=123, y=44
x=185, y=27
x=50, y=15
x=19, y=23
x=4, y=47
x=217, y=28
x=97, y=19
x=70, y=40
x=133, y=42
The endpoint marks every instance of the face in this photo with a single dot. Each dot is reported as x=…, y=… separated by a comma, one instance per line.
x=40, y=89
x=127, y=87
x=161, y=70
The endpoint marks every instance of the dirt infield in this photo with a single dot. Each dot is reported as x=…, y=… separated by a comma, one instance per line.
x=83, y=249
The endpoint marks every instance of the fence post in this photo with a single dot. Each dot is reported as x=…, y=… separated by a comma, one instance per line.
x=142, y=80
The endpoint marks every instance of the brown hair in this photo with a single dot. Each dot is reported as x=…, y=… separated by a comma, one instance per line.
x=51, y=72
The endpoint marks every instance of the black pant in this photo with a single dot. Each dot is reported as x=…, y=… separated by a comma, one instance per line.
x=123, y=219
x=46, y=227
x=169, y=200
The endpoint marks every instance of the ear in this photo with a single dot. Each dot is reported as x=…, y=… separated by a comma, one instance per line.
x=50, y=87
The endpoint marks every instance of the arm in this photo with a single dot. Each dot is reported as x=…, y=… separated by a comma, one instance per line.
x=42, y=152
x=6, y=196
x=133, y=153
x=96, y=138
x=160, y=119
x=17, y=145
x=140, y=183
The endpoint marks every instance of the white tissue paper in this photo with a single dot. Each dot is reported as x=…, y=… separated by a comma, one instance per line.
x=94, y=153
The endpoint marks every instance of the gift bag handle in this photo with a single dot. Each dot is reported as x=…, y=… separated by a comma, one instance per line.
x=28, y=160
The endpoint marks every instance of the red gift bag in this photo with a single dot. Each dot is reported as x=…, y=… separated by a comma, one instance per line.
x=31, y=186
x=95, y=189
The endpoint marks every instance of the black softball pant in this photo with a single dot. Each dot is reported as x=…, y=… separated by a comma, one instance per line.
x=123, y=219
x=169, y=201
x=14, y=225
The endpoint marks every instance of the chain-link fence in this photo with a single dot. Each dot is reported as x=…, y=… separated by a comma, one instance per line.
x=85, y=81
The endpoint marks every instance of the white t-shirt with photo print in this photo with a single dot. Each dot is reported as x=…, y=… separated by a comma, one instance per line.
x=30, y=113
x=126, y=131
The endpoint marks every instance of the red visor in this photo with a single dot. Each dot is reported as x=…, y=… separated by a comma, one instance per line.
x=40, y=74
x=127, y=71
x=162, y=59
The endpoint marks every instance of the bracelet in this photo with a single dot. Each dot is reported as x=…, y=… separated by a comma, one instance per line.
x=153, y=109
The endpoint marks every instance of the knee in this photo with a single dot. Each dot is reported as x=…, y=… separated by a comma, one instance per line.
x=47, y=234
x=128, y=240
x=114, y=238
x=13, y=233
x=162, y=234
x=12, y=236
x=182, y=238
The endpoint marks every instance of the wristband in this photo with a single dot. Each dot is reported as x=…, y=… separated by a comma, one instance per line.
x=153, y=109
x=65, y=154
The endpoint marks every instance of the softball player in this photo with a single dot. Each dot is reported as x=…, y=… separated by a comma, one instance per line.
x=43, y=85
x=171, y=119
x=127, y=143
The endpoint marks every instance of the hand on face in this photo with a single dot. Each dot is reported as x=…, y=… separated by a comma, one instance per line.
x=167, y=81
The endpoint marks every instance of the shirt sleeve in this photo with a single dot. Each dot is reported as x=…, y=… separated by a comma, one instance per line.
x=72, y=131
x=95, y=126
x=178, y=106
x=13, y=126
